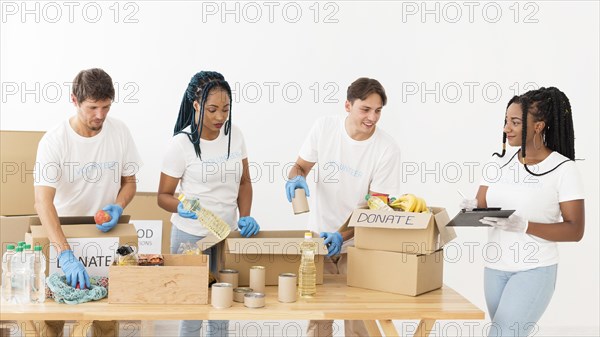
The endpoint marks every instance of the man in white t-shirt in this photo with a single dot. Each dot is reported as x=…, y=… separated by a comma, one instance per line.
x=85, y=164
x=354, y=158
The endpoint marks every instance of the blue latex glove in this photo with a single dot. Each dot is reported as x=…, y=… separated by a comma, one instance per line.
x=293, y=184
x=115, y=212
x=74, y=270
x=333, y=241
x=248, y=226
x=184, y=213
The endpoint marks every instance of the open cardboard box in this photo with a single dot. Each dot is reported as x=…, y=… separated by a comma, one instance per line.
x=183, y=279
x=94, y=248
x=402, y=232
x=400, y=273
x=18, y=150
x=278, y=251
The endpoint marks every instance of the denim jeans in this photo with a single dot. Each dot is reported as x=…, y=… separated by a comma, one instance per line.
x=517, y=300
x=192, y=328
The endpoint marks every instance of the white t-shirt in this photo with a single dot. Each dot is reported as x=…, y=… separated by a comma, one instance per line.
x=214, y=180
x=533, y=198
x=85, y=171
x=346, y=170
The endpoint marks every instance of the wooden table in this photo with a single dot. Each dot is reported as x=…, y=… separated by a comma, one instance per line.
x=334, y=300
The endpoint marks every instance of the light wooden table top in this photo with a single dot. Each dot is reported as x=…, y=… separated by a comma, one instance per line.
x=334, y=300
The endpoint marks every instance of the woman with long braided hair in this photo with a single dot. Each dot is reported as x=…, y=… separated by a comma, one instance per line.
x=207, y=159
x=538, y=178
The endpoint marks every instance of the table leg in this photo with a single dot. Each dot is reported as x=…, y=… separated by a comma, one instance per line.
x=389, y=330
x=80, y=328
x=425, y=327
x=372, y=328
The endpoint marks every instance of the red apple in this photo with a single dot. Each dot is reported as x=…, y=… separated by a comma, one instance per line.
x=101, y=217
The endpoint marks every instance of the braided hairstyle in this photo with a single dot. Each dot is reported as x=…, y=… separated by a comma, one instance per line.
x=198, y=89
x=551, y=106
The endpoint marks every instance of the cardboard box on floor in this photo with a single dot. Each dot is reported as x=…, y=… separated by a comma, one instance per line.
x=18, y=150
x=182, y=280
x=402, y=232
x=400, y=273
x=277, y=251
x=94, y=248
x=12, y=230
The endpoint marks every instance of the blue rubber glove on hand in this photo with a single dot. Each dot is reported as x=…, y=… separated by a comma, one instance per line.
x=293, y=184
x=184, y=213
x=248, y=226
x=333, y=241
x=115, y=212
x=74, y=270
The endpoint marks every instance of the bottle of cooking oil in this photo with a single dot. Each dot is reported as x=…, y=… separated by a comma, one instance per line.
x=377, y=204
x=307, y=280
x=207, y=218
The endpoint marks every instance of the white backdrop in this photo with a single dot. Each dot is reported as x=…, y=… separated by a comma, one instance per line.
x=448, y=68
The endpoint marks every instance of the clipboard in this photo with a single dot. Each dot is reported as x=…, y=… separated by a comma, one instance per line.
x=471, y=218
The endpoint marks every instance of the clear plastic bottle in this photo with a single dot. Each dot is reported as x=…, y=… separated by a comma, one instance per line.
x=21, y=277
x=207, y=218
x=307, y=273
x=38, y=276
x=126, y=256
x=376, y=203
x=6, y=273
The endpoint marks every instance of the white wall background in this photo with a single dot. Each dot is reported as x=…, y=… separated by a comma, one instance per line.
x=448, y=69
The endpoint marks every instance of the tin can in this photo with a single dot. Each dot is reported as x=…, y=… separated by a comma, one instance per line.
x=254, y=300
x=286, y=288
x=229, y=276
x=238, y=293
x=257, y=278
x=221, y=295
x=299, y=202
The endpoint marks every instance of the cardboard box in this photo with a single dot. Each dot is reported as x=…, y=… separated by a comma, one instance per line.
x=182, y=280
x=277, y=251
x=18, y=150
x=144, y=206
x=401, y=232
x=12, y=230
x=400, y=273
x=94, y=248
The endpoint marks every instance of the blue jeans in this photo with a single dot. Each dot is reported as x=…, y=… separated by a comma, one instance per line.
x=192, y=328
x=517, y=300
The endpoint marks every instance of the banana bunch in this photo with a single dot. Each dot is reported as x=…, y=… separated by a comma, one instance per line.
x=409, y=203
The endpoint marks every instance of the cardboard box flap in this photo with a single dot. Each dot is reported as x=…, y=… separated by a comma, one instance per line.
x=74, y=220
x=447, y=234
x=279, y=246
x=84, y=231
x=380, y=219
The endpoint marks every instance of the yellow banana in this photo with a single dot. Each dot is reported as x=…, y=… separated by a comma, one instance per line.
x=409, y=203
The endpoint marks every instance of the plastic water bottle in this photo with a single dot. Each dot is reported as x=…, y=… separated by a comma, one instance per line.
x=21, y=277
x=307, y=274
x=6, y=273
x=38, y=276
